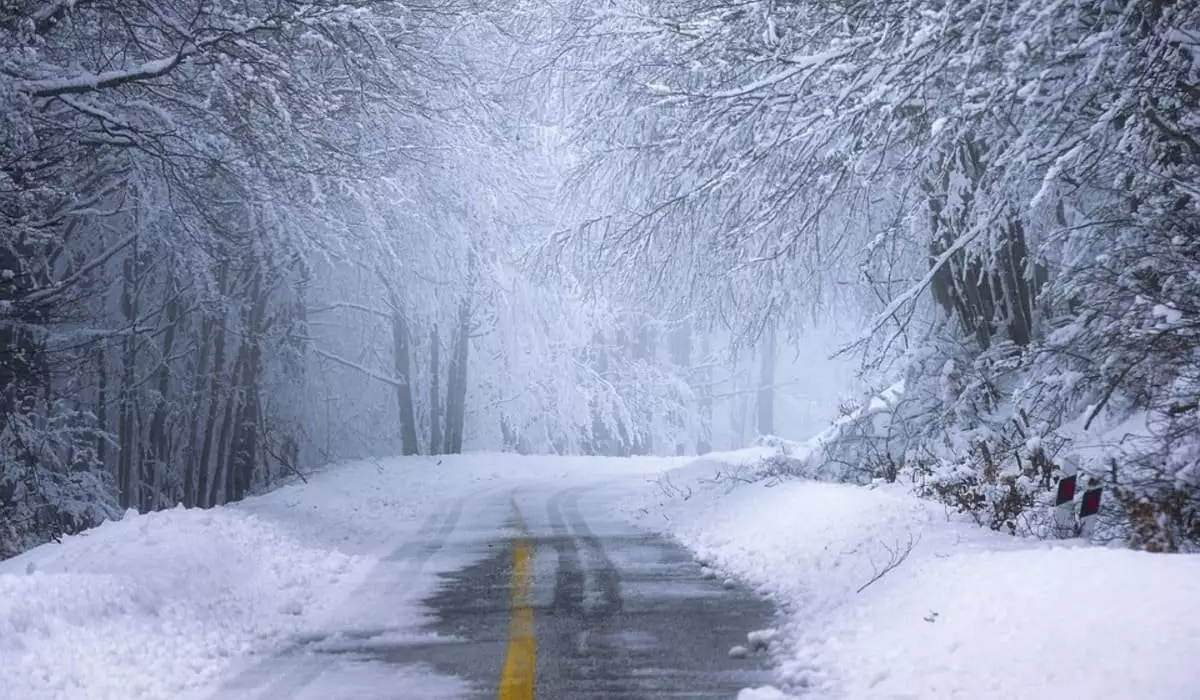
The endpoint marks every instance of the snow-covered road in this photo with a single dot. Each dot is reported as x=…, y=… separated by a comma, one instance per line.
x=613, y=613
x=186, y=604
x=427, y=578
x=378, y=612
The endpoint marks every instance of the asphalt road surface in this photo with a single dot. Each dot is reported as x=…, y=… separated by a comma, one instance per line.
x=560, y=600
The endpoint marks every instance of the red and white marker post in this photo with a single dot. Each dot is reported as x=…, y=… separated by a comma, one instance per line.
x=1089, y=506
x=1064, y=499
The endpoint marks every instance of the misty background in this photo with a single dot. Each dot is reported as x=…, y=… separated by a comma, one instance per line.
x=242, y=240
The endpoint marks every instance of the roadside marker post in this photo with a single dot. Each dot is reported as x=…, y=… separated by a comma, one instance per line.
x=1064, y=499
x=1089, y=506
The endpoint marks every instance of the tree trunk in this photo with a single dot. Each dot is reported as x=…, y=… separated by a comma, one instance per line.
x=739, y=416
x=127, y=473
x=679, y=345
x=244, y=449
x=219, y=487
x=204, y=499
x=159, y=446
x=704, y=389
x=766, y=385
x=435, y=409
x=194, y=465
x=243, y=442
x=980, y=290
x=401, y=340
x=101, y=403
x=644, y=350
x=602, y=442
x=456, y=385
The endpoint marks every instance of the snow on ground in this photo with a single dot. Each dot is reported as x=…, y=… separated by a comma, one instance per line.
x=179, y=591
x=163, y=605
x=968, y=614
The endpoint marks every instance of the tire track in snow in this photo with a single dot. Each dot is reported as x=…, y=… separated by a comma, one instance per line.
x=585, y=654
x=607, y=576
x=285, y=674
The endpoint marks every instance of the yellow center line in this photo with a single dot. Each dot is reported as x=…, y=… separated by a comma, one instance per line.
x=516, y=680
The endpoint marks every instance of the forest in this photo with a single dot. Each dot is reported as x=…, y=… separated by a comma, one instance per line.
x=243, y=240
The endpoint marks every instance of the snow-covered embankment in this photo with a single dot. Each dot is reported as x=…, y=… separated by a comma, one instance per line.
x=967, y=613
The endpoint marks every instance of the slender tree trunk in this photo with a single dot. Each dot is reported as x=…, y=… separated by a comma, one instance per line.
x=251, y=421
x=159, y=445
x=435, y=389
x=101, y=403
x=456, y=385
x=739, y=416
x=679, y=345
x=127, y=471
x=401, y=340
x=205, y=466
x=602, y=440
x=295, y=339
x=511, y=438
x=194, y=465
x=766, y=385
x=645, y=346
x=704, y=389
x=219, y=487
x=235, y=427
x=246, y=435
x=147, y=475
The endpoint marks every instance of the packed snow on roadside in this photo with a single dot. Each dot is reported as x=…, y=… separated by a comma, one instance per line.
x=165, y=605
x=968, y=613
x=154, y=604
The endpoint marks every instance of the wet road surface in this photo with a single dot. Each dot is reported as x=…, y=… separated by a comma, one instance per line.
x=559, y=600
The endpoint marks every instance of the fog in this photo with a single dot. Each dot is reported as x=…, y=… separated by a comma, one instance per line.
x=242, y=241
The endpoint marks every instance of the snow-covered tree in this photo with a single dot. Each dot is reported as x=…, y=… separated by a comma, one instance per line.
x=1012, y=183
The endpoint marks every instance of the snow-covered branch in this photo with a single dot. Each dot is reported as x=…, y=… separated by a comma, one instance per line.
x=366, y=371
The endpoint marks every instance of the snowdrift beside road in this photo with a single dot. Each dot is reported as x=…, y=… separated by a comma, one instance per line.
x=968, y=613
x=155, y=604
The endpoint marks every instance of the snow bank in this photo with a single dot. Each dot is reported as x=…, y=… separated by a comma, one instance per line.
x=155, y=604
x=967, y=614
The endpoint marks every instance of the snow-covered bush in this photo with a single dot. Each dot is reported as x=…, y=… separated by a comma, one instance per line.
x=988, y=432
x=995, y=473
x=1134, y=354
x=51, y=481
x=789, y=460
x=868, y=442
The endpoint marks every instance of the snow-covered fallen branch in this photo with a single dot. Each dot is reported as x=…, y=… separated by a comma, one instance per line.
x=897, y=554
